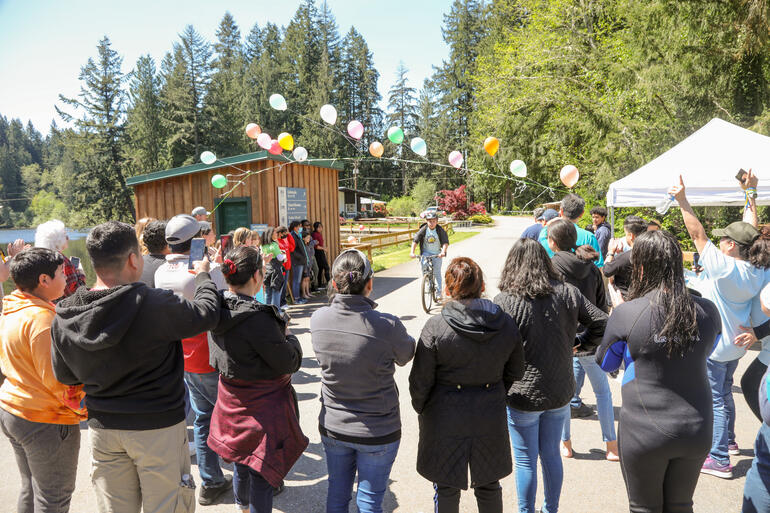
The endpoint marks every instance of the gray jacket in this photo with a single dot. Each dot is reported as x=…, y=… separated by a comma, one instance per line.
x=357, y=348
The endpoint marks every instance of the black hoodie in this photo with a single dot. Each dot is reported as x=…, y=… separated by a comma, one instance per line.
x=588, y=280
x=250, y=342
x=124, y=345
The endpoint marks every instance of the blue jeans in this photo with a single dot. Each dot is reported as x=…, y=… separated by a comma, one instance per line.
x=756, y=497
x=273, y=296
x=721, y=381
x=582, y=365
x=203, y=397
x=251, y=490
x=296, y=280
x=436, y=271
x=373, y=463
x=533, y=434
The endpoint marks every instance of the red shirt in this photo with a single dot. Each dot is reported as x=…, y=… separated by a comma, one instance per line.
x=287, y=245
x=196, y=354
x=318, y=237
x=75, y=277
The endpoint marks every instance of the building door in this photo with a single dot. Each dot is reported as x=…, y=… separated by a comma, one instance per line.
x=233, y=213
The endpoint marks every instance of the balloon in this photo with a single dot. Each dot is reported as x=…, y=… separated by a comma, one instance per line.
x=329, y=114
x=253, y=130
x=352, y=239
x=264, y=141
x=361, y=227
x=208, y=157
x=300, y=154
x=286, y=141
x=518, y=168
x=418, y=146
x=275, y=148
x=456, y=159
x=396, y=135
x=491, y=145
x=355, y=129
x=218, y=181
x=569, y=175
x=376, y=149
x=278, y=102
x=271, y=249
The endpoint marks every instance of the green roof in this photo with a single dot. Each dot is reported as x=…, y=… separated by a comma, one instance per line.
x=238, y=159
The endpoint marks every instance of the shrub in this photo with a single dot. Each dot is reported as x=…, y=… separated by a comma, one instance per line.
x=455, y=202
x=480, y=219
x=402, y=206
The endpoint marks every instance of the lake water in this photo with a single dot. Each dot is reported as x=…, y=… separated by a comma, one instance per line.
x=7, y=236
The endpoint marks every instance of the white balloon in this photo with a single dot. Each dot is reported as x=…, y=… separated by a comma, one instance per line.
x=300, y=154
x=518, y=168
x=329, y=114
x=208, y=157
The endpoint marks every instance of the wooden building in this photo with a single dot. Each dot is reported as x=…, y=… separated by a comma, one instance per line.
x=278, y=192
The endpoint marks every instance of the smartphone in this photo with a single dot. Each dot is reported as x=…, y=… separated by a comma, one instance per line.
x=226, y=244
x=75, y=262
x=741, y=175
x=197, y=250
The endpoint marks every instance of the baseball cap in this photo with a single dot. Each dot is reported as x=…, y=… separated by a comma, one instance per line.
x=200, y=211
x=430, y=214
x=740, y=232
x=548, y=215
x=205, y=226
x=181, y=228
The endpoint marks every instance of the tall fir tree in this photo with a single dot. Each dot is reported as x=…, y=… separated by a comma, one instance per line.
x=145, y=136
x=301, y=56
x=402, y=112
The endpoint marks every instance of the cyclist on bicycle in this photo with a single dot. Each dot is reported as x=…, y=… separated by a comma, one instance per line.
x=433, y=241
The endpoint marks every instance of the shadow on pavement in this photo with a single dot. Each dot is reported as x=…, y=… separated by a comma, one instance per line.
x=385, y=285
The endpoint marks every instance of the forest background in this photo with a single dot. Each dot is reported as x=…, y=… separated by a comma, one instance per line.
x=605, y=85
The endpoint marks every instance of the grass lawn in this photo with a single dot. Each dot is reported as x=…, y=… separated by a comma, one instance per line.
x=394, y=255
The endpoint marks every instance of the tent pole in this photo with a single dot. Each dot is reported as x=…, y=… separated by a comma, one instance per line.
x=612, y=220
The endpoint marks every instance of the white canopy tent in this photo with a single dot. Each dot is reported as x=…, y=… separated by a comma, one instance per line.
x=708, y=161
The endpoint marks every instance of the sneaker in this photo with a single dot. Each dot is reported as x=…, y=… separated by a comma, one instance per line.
x=279, y=490
x=581, y=411
x=209, y=494
x=733, y=449
x=712, y=467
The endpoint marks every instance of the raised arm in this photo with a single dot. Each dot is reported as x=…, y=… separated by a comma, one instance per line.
x=749, y=185
x=694, y=227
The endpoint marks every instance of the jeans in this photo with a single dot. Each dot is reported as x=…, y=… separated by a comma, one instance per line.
x=273, y=296
x=373, y=463
x=47, y=457
x=489, y=498
x=533, y=434
x=296, y=280
x=203, y=397
x=251, y=491
x=721, y=381
x=756, y=497
x=582, y=365
x=436, y=271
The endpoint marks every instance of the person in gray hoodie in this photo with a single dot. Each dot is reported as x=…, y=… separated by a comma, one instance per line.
x=358, y=348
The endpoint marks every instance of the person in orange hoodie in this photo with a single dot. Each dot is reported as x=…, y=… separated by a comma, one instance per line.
x=39, y=415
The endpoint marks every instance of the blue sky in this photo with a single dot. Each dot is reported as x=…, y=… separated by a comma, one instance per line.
x=44, y=43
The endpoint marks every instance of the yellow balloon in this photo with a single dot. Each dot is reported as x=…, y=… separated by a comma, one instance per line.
x=286, y=141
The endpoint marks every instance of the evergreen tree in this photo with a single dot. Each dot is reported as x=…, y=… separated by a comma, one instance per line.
x=144, y=127
x=402, y=113
x=301, y=56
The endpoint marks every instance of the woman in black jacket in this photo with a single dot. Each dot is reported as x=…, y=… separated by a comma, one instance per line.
x=275, y=274
x=546, y=311
x=254, y=423
x=466, y=359
x=664, y=334
x=578, y=269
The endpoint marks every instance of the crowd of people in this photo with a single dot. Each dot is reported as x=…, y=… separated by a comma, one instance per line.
x=495, y=382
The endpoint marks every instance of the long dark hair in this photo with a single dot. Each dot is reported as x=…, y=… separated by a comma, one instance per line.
x=657, y=266
x=563, y=234
x=528, y=271
x=759, y=253
x=240, y=264
x=351, y=272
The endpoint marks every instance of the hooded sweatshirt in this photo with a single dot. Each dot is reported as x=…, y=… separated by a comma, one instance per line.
x=588, y=280
x=31, y=391
x=124, y=345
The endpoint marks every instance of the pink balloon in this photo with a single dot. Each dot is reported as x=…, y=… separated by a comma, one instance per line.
x=569, y=175
x=264, y=141
x=275, y=148
x=355, y=129
x=456, y=159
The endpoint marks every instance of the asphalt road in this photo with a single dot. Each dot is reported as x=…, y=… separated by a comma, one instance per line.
x=591, y=484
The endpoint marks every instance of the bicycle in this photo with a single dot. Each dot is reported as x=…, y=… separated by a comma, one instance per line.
x=430, y=292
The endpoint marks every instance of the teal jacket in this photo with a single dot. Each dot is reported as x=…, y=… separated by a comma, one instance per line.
x=583, y=237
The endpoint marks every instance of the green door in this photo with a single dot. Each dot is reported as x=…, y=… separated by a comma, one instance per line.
x=233, y=213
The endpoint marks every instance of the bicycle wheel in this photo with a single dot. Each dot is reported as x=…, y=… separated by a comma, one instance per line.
x=427, y=292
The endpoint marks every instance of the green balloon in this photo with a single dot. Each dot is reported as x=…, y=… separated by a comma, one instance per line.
x=396, y=135
x=218, y=181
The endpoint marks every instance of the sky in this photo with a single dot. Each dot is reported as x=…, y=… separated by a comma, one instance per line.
x=44, y=43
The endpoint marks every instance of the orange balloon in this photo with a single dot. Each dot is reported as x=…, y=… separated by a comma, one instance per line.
x=491, y=145
x=569, y=175
x=253, y=130
x=376, y=149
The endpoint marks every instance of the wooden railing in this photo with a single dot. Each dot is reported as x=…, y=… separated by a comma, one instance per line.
x=368, y=243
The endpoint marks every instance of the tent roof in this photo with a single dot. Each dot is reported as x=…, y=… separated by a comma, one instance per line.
x=708, y=161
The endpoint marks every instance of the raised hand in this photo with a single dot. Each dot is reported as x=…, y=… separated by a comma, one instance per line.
x=678, y=191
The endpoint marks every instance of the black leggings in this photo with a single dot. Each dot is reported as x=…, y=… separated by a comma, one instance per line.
x=750, y=385
x=660, y=473
x=489, y=498
x=323, y=268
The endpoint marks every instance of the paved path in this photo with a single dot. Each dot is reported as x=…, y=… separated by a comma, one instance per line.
x=591, y=483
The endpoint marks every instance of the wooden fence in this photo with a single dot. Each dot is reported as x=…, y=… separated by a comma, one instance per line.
x=368, y=243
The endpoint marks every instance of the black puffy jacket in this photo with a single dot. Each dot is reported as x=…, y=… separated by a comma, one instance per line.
x=548, y=326
x=466, y=359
